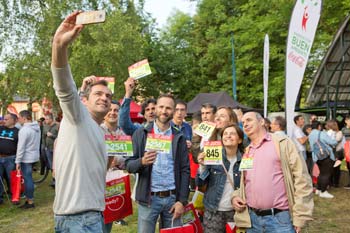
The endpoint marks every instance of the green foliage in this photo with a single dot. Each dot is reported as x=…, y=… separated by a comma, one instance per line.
x=190, y=55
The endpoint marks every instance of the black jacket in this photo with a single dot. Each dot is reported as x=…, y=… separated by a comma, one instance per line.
x=181, y=166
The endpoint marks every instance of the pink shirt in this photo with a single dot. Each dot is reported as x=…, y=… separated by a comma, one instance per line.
x=264, y=183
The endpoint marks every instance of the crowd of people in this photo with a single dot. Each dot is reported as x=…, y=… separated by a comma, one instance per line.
x=264, y=183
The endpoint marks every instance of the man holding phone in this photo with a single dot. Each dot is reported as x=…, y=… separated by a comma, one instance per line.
x=162, y=188
x=81, y=161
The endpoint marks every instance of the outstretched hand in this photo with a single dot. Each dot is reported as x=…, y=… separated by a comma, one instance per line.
x=68, y=30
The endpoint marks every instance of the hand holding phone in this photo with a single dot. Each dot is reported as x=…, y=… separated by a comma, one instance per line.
x=90, y=17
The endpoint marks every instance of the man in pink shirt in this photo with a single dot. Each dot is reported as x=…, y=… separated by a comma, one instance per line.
x=278, y=189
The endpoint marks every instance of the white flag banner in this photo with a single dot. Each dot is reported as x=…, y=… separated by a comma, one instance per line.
x=266, y=71
x=302, y=30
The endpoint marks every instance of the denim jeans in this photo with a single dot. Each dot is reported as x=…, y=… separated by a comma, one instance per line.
x=27, y=170
x=278, y=223
x=147, y=217
x=49, y=157
x=7, y=164
x=85, y=222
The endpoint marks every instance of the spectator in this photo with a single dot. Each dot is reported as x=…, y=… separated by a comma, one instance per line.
x=338, y=150
x=298, y=136
x=267, y=124
x=220, y=187
x=162, y=188
x=81, y=162
x=346, y=132
x=28, y=151
x=309, y=161
x=278, y=126
x=196, y=139
x=8, y=149
x=50, y=132
x=179, y=123
x=208, y=112
x=278, y=190
x=325, y=165
x=147, y=109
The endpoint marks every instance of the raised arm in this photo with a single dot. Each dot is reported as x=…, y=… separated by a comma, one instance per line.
x=64, y=85
x=124, y=113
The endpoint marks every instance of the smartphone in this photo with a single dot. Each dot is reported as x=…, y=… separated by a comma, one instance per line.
x=90, y=17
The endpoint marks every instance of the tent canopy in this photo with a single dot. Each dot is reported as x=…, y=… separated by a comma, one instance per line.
x=218, y=99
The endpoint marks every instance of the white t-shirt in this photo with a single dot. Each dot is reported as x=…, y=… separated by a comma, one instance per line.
x=298, y=133
x=225, y=202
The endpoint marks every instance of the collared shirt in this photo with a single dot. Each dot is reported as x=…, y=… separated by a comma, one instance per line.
x=162, y=177
x=265, y=186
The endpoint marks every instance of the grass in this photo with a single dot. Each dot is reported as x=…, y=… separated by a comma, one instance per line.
x=330, y=215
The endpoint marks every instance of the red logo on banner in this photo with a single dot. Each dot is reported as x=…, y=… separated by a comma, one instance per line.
x=305, y=18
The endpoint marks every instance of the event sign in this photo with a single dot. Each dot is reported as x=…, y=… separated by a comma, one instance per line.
x=302, y=30
x=140, y=69
x=266, y=71
x=110, y=82
x=213, y=153
x=205, y=129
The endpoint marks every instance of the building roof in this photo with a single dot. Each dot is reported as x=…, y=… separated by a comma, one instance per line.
x=334, y=72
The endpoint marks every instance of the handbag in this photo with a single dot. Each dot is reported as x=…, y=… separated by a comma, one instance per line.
x=347, y=151
x=320, y=149
x=117, y=196
x=190, y=217
x=17, y=184
x=182, y=229
x=242, y=219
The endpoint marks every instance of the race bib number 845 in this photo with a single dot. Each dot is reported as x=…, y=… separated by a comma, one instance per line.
x=213, y=153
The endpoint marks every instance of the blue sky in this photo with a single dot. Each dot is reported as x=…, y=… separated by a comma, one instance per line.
x=162, y=9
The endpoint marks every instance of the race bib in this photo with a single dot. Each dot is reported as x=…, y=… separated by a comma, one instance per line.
x=205, y=129
x=118, y=145
x=213, y=153
x=246, y=162
x=159, y=143
x=140, y=69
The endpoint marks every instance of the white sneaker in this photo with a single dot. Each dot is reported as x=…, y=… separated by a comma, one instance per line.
x=337, y=163
x=317, y=192
x=326, y=194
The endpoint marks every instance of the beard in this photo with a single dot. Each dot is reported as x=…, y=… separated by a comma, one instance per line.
x=165, y=119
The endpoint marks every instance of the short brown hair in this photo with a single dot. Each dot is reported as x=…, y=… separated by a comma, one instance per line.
x=87, y=91
x=167, y=96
